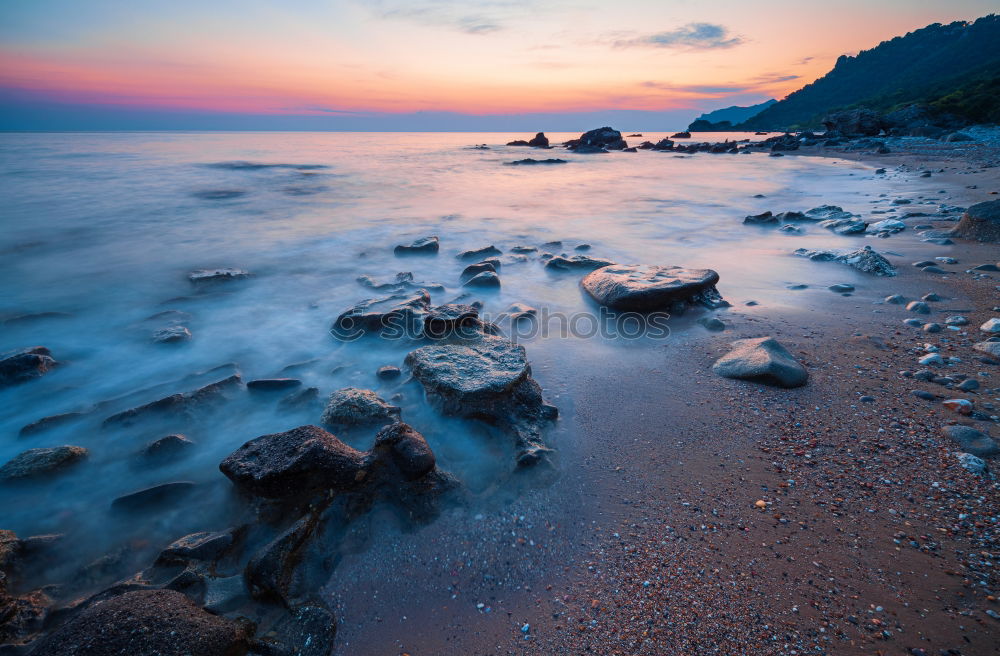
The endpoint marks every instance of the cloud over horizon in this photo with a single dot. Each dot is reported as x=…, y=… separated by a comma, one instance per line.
x=698, y=36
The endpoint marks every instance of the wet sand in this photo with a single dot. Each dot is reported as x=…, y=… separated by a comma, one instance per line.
x=649, y=540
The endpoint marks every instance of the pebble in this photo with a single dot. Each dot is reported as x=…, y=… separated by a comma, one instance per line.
x=930, y=298
x=961, y=406
x=956, y=320
x=921, y=394
x=919, y=307
x=991, y=326
x=895, y=299
x=388, y=371
x=841, y=288
x=932, y=327
x=931, y=359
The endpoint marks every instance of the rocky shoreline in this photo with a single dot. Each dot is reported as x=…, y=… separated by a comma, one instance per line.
x=255, y=587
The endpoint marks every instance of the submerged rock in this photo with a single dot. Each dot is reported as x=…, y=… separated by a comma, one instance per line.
x=763, y=360
x=483, y=280
x=396, y=315
x=161, y=622
x=647, y=288
x=37, y=462
x=980, y=222
x=488, y=379
x=167, y=447
x=172, y=334
x=402, y=282
x=178, y=403
x=423, y=246
x=539, y=141
x=157, y=495
x=599, y=140
x=479, y=253
x=865, y=260
x=406, y=449
x=24, y=365
x=298, y=462
x=271, y=384
x=760, y=219
x=529, y=161
x=351, y=406
x=444, y=320
x=217, y=275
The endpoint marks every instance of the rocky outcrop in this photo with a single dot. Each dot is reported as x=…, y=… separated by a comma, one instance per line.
x=538, y=141
x=350, y=407
x=488, y=379
x=38, y=462
x=576, y=263
x=980, y=222
x=856, y=122
x=146, y=622
x=24, y=365
x=423, y=246
x=299, y=462
x=762, y=360
x=649, y=288
x=598, y=141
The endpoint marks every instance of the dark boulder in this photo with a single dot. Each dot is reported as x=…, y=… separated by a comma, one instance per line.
x=517, y=142
x=539, y=141
x=480, y=253
x=423, y=246
x=762, y=360
x=295, y=463
x=980, y=222
x=648, y=288
x=170, y=446
x=483, y=280
x=162, y=622
x=599, y=140
x=856, y=122
x=761, y=219
x=179, y=403
x=24, y=365
x=530, y=161
x=473, y=270
x=405, y=449
x=681, y=135
x=38, y=462
x=206, y=546
x=444, y=320
x=272, y=384
x=217, y=275
x=394, y=314
x=971, y=440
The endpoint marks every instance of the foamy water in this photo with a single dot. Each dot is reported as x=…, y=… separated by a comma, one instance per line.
x=105, y=227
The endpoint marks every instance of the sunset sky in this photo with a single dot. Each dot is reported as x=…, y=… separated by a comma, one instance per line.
x=422, y=64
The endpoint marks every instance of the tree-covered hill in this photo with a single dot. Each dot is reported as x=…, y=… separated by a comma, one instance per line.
x=955, y=69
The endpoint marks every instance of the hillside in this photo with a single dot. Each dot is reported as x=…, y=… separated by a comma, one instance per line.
x=735, y=114
x=953, y=68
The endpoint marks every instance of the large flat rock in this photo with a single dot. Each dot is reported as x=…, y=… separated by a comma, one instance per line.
x=647, y=288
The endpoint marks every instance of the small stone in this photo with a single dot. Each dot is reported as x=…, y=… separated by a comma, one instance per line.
x=921, y=394
x=713, y=323
x=931, y=328
x=931, y=360
x=969, y=385
x=37, y=462
x=915, y=323
x=841, y=288
x=486, y=279
x=973, y=463
x=956, y=320
x=991, y=326
x=895, y=299
x=269, y=384
x=351, y=406
x=930, y=298
x=167, y=447
x=171, y=334
x=961, y=406
x=388, y=372
x=919, y=307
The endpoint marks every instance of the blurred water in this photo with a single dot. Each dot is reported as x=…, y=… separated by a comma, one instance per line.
x=105, y=227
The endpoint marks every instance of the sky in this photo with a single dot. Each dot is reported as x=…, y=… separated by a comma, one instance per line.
x=423, y=64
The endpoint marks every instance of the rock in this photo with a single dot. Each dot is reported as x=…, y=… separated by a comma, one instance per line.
x=961, y=406
x=423, y=246
x=51, y=421
x=865, y=260
x=919, y=307
x=891, y=226
x=681, y=135
x=539, y=141
x=517, y=142
x=763, y=360
x=480, y=253
x=299, y=462
x=487, y=379
x=178, y=403
x=980, y=222
x=37, y=462
x=308, y=630
x=351, y=407
x=826, y=213
x=930, y=298
x=529, y=161
x=856, y=122
x=599, y=140
x=446, y=319
x=472, y=270
x=895, y=299
x=24, y=365
x=921, y=394
x=394, y=316
x=841, y=288
x=162, y=622
x=273, y=384
x=406, y=449
x=648, y=288
x=158, y=495
x=971, y=440
x=224, y=593
x=576, y=262
x=991, y=326
x=713, y=323
x=403, y=281
x=969, y=385
x=167, y=447
x=217, y=275
x=972, y=463
x=171, y=334
x=956, y=320
x=956, y=137
x=484, y=280
x=913, y=323
x=388, y=372
x=986, y=267
x=931, y=328
x=988, y=347
x=206, y=546
x=760, y=219
x=847, y=226
x=520, y=312
x=931, y=360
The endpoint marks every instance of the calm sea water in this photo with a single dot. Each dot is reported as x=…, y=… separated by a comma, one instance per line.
x=103, y=228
